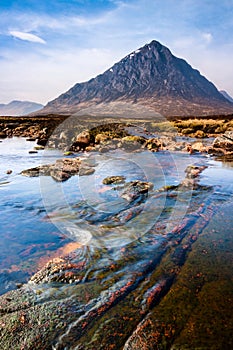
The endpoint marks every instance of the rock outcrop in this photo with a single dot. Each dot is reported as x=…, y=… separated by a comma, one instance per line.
x=223, y=145
x=61, y=170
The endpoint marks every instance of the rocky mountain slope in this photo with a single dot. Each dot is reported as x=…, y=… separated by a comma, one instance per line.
x=19, y=108
x=149, y=80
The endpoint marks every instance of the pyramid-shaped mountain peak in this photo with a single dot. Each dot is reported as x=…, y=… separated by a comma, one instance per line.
x=150, y=77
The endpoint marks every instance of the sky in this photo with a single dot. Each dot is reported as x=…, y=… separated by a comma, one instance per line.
x=47, y=46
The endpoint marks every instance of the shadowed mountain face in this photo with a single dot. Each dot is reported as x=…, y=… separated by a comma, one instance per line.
x=151, y=77
x=19, y=108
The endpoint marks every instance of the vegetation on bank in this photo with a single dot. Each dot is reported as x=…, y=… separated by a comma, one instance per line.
x=203, y=127
x=198, y=127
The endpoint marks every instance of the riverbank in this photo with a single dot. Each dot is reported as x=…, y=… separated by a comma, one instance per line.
x=199, y=127
x=60, y=131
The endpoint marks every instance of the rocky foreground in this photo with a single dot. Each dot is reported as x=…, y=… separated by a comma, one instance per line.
x=163, y=291
x=65, y=133
x=98, y=303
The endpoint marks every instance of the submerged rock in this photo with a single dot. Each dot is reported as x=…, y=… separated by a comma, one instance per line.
x=61, y=170
x=136, y=190
x=85, y=170
x=192, y=171
x=37, y=171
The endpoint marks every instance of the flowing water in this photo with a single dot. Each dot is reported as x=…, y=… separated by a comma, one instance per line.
x=39, y=216
x=126, y=232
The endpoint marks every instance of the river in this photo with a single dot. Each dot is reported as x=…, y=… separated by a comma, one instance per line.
x=42, y=219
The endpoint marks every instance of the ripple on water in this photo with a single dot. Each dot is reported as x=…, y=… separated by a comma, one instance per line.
x=38, y=218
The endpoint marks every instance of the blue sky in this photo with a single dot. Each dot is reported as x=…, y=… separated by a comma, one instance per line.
x=48, y=46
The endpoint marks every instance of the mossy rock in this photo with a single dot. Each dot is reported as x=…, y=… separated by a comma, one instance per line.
x=102, y=138
x=153, y=144
x=132, y=138
x=114, y=180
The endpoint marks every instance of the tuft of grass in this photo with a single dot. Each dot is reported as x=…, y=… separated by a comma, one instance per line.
x=202, y=127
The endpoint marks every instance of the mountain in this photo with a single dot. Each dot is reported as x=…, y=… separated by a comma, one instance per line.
x=19, y=108
x=149, y=80
x=226, y=95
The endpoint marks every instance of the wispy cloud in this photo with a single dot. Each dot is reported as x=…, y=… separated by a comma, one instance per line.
x=208, y=37
x=27, y=37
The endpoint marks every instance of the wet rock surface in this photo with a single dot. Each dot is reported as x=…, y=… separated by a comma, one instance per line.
x=61, y=170
x=127, y=292
x=136, y=190
x=223, y=145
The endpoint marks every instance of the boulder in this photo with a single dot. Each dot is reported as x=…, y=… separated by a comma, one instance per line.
x=153, y=144
x=224, y=141
x=223, y=145
x=196, y=147
x=60, y=171
x=82, y=141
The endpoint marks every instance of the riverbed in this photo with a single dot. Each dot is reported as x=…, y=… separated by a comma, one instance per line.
x=135, y=249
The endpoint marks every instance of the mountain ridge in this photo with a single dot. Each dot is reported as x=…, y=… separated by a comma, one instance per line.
x=151, y=77
x=19, y=108
x=226, y=95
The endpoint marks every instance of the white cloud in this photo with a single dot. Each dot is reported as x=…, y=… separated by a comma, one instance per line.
x=27, y=37
x=208, y=37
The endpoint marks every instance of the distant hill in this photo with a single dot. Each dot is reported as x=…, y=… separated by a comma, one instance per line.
x=19, y=108
x=226, y=95
x=149, y=80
